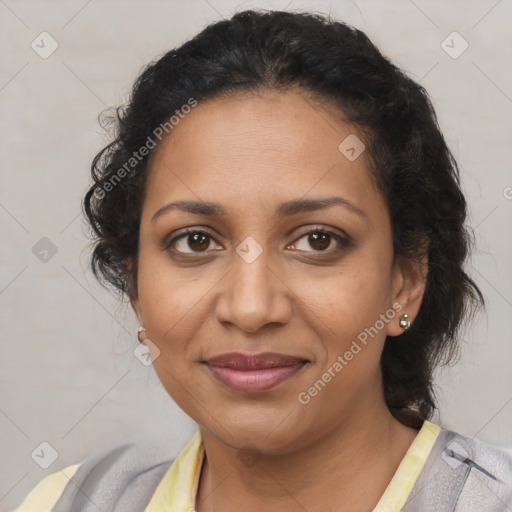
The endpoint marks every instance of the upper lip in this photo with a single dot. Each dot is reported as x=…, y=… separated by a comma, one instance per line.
x=261, y=361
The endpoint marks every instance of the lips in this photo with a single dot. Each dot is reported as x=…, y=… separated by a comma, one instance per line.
x=254, y=373
x=238, y=361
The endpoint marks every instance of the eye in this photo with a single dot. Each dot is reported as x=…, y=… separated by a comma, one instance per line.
x=321, y=241
x=197, y=241
x=190, y=242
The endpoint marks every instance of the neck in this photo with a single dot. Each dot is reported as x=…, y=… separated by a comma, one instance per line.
x=346, y=470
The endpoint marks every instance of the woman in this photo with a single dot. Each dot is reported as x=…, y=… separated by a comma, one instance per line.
x=283, y=213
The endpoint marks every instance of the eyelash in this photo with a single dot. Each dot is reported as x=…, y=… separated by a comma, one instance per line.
x=344, y=242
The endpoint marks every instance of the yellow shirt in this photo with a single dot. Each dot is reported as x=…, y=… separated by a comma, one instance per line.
x=177, y=490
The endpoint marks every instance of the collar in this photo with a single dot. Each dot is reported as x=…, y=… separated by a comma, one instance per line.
x=178, y=488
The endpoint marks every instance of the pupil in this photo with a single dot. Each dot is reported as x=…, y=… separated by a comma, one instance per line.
x=200, y=240
x=323, y=237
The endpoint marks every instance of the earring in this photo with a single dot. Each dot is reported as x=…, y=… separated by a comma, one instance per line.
x=141, y=328
x=404, y=322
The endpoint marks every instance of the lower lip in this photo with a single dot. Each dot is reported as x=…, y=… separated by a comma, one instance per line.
x=253, y=381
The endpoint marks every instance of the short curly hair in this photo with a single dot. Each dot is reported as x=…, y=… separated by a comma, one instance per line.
x=410, y=162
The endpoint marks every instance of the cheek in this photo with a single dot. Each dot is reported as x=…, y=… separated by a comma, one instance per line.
x=174, y=309
x=171, y=298
x=349, y=299
x=345, y=317
x=171, y=309
x=345, y=310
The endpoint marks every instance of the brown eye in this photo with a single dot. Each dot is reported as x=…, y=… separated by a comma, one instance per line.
x=319, y=241
x=198, y=241
x=190, y=242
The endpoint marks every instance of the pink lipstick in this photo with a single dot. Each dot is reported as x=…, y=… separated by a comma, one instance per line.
x=253, y=373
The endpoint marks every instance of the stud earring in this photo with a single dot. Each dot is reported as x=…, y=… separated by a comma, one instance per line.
x=141, y=328
x=404, y=322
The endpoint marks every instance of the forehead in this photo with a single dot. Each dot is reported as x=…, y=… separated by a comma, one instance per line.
x=263, y=147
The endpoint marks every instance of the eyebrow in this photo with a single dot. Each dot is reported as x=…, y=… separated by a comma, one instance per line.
x=287, y=208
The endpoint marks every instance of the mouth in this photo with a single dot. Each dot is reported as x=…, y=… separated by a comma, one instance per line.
x=254, y=373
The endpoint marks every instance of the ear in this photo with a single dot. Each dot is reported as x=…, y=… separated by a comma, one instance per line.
x=408, y=286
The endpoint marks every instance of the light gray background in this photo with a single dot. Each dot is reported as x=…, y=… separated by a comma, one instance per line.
x=68, y=374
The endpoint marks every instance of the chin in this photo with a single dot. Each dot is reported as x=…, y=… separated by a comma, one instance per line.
x=268, y=432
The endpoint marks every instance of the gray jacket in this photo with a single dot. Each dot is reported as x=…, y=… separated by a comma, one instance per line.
x=461, y=474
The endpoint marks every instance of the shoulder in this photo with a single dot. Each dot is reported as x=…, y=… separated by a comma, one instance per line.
x=495, y=462
x=129, y=472
x=463, y=472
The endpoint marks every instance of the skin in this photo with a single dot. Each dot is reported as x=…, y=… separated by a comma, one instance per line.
x=249, y=153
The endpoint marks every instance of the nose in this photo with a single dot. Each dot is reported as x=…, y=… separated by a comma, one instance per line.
x=253, y=295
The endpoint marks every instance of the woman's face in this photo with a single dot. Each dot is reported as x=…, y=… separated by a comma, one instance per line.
x=272, y=270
